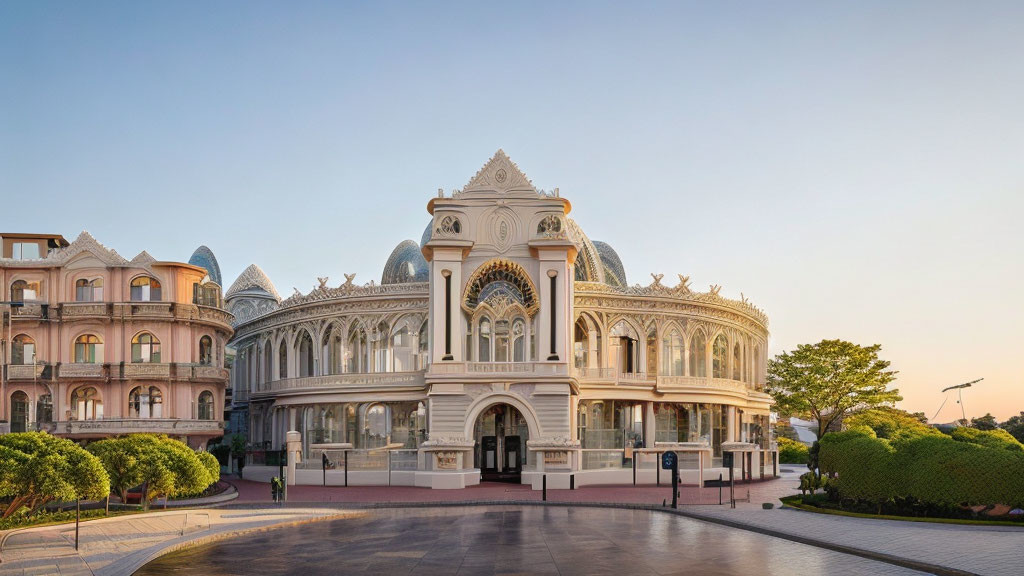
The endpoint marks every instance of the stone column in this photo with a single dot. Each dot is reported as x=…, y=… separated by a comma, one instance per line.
x=730, y=424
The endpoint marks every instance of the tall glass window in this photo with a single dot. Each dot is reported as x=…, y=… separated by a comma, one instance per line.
x=145, y=348
x=86, y=404
x=24, y=350
x=305, y=355
x=282, y=359
x=23, y=291
x=698, y=355
x=25, y=251
x=484, y=340
x=737, y=362
x=673, y=353
x=205, y=406
x=88, y=349
x=719, y=355
x=145, y=289
x=89, y=290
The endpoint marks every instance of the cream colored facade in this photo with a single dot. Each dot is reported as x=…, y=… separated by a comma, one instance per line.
x=101, y=345
x=505, y=345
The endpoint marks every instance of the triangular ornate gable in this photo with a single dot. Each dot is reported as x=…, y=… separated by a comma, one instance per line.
x=499, y=174
x=86, y=243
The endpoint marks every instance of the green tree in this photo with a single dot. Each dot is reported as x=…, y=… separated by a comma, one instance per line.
x=37, y=468
x=164, y=467
x=238, y=450
x=986, y=422
x=1015, y=426
x=828, y=380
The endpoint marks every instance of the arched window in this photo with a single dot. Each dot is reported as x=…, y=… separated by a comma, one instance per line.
x=305, y=350
x=755, y=369
x=519, y=340
x=381, y=350
x=357, y=352
x=24, y=350
x=268, y=362
x=376, y=426
x=44, y=408
x=673, y=351
x=145, y=402
x=737, y=362
x=89, y=290
x=402, y=350
x=22, y=291
x=206, y=351
x=698, y=355
x=628, y=342
x=145, y=348
x=86, y=404
x=424, y=346
x=581, y=344
x=330, y=352
x=652, y=351
x=19, y=412
x=205, y=406
x=145, y=289
x=484, y=340
x=88, y=349
x=719, y=355
x=282, y=360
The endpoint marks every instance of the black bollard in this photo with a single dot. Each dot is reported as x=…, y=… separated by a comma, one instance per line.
x=572, y=481
x=544, y=487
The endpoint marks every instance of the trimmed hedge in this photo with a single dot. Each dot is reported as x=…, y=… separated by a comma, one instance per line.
x=791, y=451
x=933, y=469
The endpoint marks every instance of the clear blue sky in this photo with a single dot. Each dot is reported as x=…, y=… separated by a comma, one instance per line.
x=853, y=168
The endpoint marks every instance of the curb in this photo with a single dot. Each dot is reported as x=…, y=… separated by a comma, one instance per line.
x=130, y=564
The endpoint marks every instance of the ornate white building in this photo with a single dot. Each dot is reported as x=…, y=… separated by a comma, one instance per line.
x=505, y=345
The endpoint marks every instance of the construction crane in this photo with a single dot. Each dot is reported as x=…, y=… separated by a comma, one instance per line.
x=959, y=397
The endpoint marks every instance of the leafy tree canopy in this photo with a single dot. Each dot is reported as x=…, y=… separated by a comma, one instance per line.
x=161, y=465
x=1015, y=426
x=986, y=422
x=37, y=468
x=828, y=380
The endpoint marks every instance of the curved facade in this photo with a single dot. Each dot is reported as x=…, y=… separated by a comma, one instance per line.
x=103, y=345
x=521, y=351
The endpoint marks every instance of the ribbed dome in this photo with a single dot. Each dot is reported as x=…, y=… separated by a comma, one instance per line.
x=253, y=281
x=428, y=232
x=614, y=273
x=204, y=258
x=406, y=264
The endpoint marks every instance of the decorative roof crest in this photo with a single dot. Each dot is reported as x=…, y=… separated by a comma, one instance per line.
x=499, y=174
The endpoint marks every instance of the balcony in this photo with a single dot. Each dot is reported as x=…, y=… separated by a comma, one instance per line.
x=218, y=315
x=611, y=376
x=698, y=383
x=111, y=426
x=26, y=371
x=510, y=369
x=76, y=370
x=207, y=373
x=346, y=382
x=147, y=370
x=81, y=310
x=29, y=311
x=145, y=310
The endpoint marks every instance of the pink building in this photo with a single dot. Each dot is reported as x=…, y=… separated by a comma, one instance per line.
x=96, y=345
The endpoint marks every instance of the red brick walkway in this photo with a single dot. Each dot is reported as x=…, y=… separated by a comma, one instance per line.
x=761, y=491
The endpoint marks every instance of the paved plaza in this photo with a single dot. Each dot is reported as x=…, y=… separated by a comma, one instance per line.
x=514, y=540
x=493, y=528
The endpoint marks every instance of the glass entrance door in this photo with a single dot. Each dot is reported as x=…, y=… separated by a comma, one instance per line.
x=500, y=435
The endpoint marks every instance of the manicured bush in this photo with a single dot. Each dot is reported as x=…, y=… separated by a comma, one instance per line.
x=791, y=451
x=990, y=438
x=927, y=470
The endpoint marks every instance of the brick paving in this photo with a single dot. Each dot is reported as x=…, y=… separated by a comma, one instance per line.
x=112, y=546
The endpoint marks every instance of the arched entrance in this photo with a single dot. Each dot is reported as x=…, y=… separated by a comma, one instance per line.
x=19, y=412
x=499, y=452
